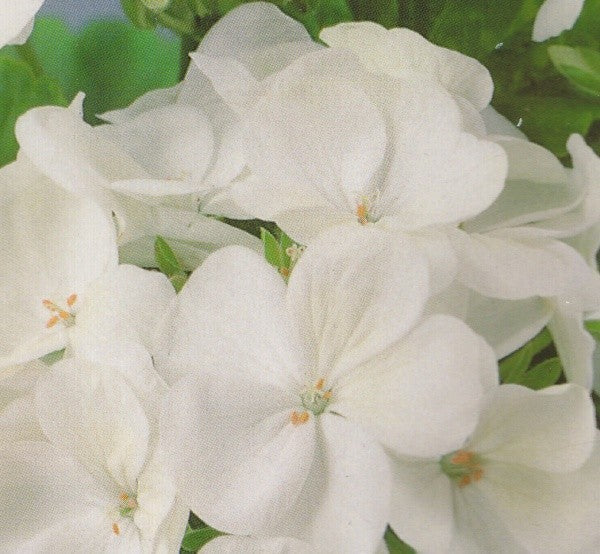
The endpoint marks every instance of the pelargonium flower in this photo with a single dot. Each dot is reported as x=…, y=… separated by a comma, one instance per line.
x=17, y=20
x=97, y=483
x=64, y=286
x=152, y=171
x=284, y=397
x=524, y=481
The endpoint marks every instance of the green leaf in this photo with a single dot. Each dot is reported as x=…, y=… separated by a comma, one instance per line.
x=272, y=248
x=581, y=66
x=384, y=12
x=195, y=539
x=166, y=259
x=20, y=90
x=477, y=27
x=138, y=14
x=53, y=357
x=514, y=366
x=395, y=544
x=543, y=375
x=593, y=328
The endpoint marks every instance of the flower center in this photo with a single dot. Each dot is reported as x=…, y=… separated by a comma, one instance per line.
x=365, y=207
x=66, y=316
x=463, y=467
x=126, y=508
x=314, y=399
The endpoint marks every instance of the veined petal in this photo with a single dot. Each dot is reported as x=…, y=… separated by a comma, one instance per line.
x=247, y=483
x=344, y=506
x=550, y=430
x=435, y=380
x=353, y=293
x=232, y=313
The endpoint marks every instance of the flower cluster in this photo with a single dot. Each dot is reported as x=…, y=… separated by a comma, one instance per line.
x=302, y=408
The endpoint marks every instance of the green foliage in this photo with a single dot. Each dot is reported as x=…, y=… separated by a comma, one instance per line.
x=395, y=545
x=384, y=12
x=195, y=539
x=282, y=253
x=20, y=90
x=581, y=66
x=517, y=369
x=111, y=61
x=593, y=328
x=169, y=264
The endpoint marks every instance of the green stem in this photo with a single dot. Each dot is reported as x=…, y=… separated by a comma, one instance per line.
x=182, y=28
x=28, y=54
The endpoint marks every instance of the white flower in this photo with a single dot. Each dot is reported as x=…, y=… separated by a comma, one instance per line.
x=554, y=17
x=97, y=484
x=61, y=284
x=515, y=486
x=233, y=545
x=17, y=20
x=149, y=171
x=284, y=396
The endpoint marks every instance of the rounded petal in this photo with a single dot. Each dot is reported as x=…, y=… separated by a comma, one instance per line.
x=94, y=415
x=549, y=430
x=353, y=293
x=49, y=499
x=345, y=504
x=434, y=381
x=438, y=173
x=422, y=505
x=554, y=17
x=398, y=52
x=231, y=313
x=247, y=483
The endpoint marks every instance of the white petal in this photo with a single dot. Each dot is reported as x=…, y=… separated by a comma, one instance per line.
x=434, y=381
x=537, y=188
x=398, y=52
x=438, y=173
x=321, y=133
x=551, y=430
x=422, y=505
x=172, y=142
x=516, y=265
x=93, y=414
x=59, y=245
x=128, y=303
x=574, y=345
x=16, y=16
x=149, y=101
x=48, y=499
x=554, y=17
x=507, y=324
x=234, y=545
x=497, y=124
x=232, y=313
x=247, y=483
x=345, y=504
x=353, y=293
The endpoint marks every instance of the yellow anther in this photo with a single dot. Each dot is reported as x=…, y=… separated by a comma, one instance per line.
x=463, y=467
x=327, y=395
x=298, y=418
x=60, y=314
x=115, y=529
x=462, y=457
x=71, y=300
x=320, y=384
x=361, y=213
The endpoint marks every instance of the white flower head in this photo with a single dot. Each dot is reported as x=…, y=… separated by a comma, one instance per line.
x=515, y=485
x=308, y=382
x=97, y=483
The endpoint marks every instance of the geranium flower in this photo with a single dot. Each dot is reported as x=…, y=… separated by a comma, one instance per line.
x=284, y=398
x=554, y=17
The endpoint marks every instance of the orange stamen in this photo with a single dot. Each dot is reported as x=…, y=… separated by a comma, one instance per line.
x=123, y=497
x=464, y=481
x=115, y=529
x=298, y=418
x=49, y=305
x=327, y=395
x=462, y=457
x=52, y=321
x=320, y=384
x=361, y=213
x=71, y=300
x=64, y=314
